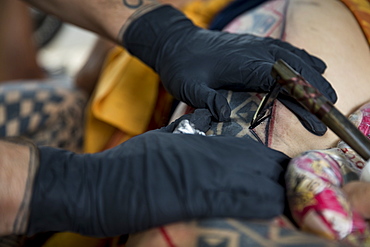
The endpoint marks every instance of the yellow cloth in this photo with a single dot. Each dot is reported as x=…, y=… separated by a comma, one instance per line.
x=124, y=98
x=202, y=12
x=68, y=239
x=127, y=89
x=361, y=10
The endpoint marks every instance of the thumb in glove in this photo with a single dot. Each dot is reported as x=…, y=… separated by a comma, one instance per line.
x=200, y=120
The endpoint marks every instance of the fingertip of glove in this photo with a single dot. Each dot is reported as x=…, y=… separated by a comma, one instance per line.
x=309, y=121
x=312, y=123
x=201, y=118
x=318, y=64
x=316, y=128
x=333, y=97
x=221, y=109
x=225, y=113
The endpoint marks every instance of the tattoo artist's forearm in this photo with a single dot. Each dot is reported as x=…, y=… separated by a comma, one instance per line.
x=105, y=18
x=135, y=4
x=21, y=220
x=18, y=166
x=141, y=7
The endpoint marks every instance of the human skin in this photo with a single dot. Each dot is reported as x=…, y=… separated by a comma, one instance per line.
x=343, y=47
x=291, y=117
x=309, y=25
x=106, y=18
x=16, y=183
x=358, y=193
x=18, y=50
x=17, y=175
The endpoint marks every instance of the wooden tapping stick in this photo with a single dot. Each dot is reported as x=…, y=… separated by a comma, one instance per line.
x=316, y=103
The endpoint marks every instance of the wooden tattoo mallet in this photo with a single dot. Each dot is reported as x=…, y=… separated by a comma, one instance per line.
x=316, y=103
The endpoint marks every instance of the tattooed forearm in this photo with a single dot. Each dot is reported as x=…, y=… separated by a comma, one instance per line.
x=133, y=4
x=141, y=7
x=19, y=161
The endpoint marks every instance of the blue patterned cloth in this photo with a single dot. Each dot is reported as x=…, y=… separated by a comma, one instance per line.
x=49, y=113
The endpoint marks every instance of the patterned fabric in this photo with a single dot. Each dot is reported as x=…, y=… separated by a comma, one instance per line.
x=47, y=113
x=317, y=203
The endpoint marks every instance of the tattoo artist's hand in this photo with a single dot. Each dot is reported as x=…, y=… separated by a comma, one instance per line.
x=154, y=179
x=193, y=62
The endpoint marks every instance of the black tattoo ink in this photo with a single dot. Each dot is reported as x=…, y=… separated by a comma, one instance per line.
x=213, y=241
x=243, y=106
x=133, y=5
x=262, y=23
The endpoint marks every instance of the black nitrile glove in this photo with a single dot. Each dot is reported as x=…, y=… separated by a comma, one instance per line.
x=154, y=179
x=201, y=119
x=193, y=62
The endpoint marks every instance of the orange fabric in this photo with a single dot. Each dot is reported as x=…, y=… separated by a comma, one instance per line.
x=124, y=99
x=361, y=10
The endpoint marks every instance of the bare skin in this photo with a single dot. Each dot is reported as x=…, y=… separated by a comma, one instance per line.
x=105, y=18
x=347, y=56
x=96, y=23
x=16, y=182
x=17, y=175
x=358, y=194
x=308, y=27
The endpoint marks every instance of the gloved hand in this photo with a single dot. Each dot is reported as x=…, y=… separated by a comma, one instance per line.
x=193, y=62
x=154, y=179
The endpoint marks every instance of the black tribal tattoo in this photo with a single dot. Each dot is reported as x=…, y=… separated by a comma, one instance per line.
x=242, y=107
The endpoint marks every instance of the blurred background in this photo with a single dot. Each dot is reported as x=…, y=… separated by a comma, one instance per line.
x=63, y=47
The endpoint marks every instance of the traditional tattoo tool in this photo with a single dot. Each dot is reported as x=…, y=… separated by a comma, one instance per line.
x=264, y=109
x=316, y=103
